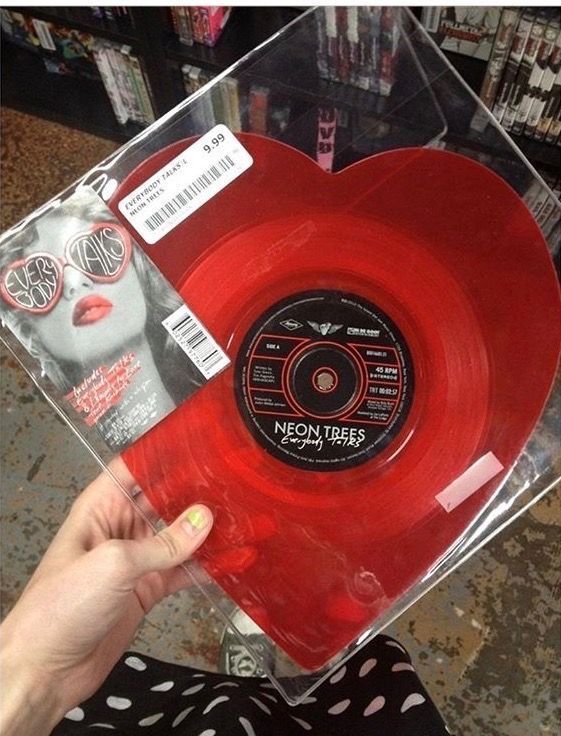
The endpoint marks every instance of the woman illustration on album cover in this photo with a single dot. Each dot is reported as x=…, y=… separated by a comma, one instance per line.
x=79, y=295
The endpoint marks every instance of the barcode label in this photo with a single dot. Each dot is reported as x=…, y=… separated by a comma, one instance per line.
x=196, y=342
x=186, y=183
x=189, y=193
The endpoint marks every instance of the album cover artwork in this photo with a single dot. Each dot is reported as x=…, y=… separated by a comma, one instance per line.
x=103, y=323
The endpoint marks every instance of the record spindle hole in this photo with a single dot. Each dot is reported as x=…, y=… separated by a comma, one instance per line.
x=324, y=380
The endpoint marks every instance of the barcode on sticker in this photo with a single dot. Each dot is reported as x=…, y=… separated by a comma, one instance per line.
x=184, y=184
x=196, y=342
x=186, y=196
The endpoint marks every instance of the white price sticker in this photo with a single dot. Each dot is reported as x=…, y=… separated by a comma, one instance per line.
x=184, y=184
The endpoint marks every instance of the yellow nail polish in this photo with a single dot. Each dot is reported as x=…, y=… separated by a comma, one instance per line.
x=197, y=519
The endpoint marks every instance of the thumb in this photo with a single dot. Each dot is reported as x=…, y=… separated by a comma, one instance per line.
x=171, y=546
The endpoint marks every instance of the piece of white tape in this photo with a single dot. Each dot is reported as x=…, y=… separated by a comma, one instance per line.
x=471, y=480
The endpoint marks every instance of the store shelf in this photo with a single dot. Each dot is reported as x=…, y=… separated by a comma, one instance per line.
x=83, y=103
x=70, y=100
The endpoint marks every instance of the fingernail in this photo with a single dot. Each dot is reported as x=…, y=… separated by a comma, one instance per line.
x=196, y=520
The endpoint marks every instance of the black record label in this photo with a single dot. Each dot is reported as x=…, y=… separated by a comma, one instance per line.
x=324, y=380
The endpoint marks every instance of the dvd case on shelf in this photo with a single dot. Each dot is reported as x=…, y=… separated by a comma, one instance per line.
x=107, y=74
x=141, y=85
x=357, y=46
x=234, y=105
x=258, y=109
x=525, y=69
x=547, y=208
x=123, y=77
x=182, y=24
x=389, y=40
x=497, y=61
x=468, y=30
x=544, y=90
x=125, y=82
x=207, y=22
x=513, y=63
x=336, y=430
x=550, y=110
x=552, y=135
x=551, y=38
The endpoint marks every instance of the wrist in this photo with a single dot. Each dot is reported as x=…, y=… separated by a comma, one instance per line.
x=29, y=704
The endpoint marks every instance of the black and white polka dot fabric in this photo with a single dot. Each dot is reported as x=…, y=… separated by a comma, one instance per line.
x=376, y=693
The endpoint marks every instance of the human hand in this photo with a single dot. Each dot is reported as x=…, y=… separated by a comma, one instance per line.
x=104, y=570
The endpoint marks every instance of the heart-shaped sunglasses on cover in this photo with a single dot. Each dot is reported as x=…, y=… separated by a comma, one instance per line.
x=34, y=283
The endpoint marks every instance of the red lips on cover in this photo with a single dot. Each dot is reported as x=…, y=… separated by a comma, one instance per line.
x=449, y=252
x=90, y=309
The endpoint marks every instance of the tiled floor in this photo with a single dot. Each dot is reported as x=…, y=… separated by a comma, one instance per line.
x=486, y=640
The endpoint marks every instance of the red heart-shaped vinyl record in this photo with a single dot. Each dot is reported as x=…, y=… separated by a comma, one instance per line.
x=394, y=333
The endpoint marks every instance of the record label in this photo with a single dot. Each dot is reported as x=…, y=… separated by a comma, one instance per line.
x=324, y=380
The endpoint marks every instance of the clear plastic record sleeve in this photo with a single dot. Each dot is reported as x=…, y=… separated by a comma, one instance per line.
x=353, y=368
